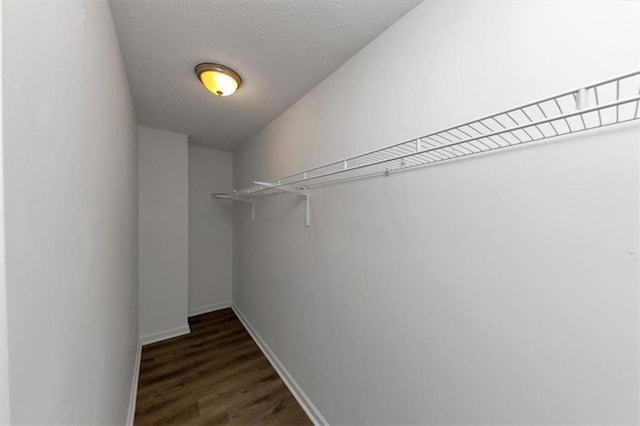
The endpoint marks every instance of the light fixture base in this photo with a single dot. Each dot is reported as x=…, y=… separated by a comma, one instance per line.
x=218, y=79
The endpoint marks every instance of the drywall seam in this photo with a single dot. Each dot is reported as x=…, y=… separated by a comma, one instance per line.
x=134, y=385
x=209, y=308
x=166, y=334
x=312, y=411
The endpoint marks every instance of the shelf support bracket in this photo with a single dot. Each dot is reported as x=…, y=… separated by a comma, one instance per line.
x=286, y=188
x=304, y=191
x=582, y=99
x=307, y=200
x=242, y=200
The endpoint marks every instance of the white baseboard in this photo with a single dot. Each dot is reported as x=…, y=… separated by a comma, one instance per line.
x=163, y=335
x=145, y=340
x=296, y=390
x=209, y=308
x=134, y=386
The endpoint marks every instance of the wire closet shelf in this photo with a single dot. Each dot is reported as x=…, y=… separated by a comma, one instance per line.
x=602, y=104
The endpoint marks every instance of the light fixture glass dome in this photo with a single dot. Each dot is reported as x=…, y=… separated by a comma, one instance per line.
x=218, y=79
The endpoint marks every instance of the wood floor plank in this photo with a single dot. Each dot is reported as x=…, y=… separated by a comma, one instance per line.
x=216, y=375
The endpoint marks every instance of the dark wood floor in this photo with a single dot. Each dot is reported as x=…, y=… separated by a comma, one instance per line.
x=216, y=375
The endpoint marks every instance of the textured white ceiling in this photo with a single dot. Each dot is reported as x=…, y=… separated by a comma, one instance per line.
x=281, y=48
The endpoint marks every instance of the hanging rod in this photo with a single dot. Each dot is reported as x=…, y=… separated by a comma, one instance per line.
x=602, y=104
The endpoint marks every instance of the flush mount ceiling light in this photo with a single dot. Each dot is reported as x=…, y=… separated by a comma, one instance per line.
x=218, y=79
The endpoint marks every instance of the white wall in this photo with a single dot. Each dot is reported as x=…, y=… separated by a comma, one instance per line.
x=4, y=331
x=71, y=214
x=210, y=229
x=500, y=289
x=163, y=223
